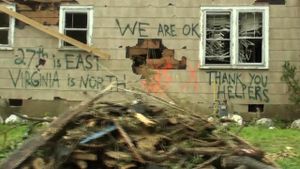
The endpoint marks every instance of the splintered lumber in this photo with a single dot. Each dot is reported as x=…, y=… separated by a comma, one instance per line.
x=81, y=164
x=33, y=143
x=129, y=142
x=84, y=156
x=118, y=155
x=144, y=119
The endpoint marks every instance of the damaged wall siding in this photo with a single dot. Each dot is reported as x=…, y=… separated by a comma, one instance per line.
x=37, y=69
x=43, y=11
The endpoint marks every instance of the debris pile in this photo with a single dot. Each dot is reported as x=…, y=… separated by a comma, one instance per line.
x=105, y=135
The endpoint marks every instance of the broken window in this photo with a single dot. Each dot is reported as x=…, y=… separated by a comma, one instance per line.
x=250, y=37
x=217, y=38
x=6, y=30
x=234, y=37
x=151, y=53
x=75, y=22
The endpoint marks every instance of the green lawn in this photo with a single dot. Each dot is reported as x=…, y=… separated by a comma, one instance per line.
x=283, y=145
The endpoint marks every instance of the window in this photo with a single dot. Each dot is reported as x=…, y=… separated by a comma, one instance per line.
x=76, y=22
x=234, y=37
x=7, y=25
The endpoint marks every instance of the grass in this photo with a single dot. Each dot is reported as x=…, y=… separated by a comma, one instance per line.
x=282, y=145
x=11, y=135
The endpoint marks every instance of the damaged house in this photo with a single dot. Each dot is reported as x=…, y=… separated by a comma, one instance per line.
x=200, y=51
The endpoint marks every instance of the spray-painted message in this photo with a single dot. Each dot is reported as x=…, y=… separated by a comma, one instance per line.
x=40, y=69
x=162, y=30
x=232, y=85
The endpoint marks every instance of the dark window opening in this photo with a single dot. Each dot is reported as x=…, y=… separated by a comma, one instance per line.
x=4, y=29
x=15, y=102
x=76, y=27
x=4, y=37
x=76, y=20
x=151, y=53
x=255, y=108
x=78, y=35
x=4, y=20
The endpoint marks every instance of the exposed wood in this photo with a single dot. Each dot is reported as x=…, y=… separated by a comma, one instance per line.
x=7, y=2
x=128, y=166
x=158, y=157
x=144, y=119
x=118, y=155
x=129, y=142
x=54, y=33
x=32, y=144
x=38, y=163
x=81, y=164
x=84, y=156
x=241, y=167
x=41, y=14
x=92, y=146
x=236, y=161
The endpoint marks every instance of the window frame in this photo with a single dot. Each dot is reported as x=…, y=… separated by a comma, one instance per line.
x=11, y=30
x=76, y=9
x=234, y=37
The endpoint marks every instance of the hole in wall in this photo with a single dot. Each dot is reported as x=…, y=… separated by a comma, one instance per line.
x=151, y=53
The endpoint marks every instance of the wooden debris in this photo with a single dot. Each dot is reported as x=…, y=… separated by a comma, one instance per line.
x=144, y=119
x=84, y=156
x=81, y=164
x=129, y=142
x=118, y=155
x=114, y=136
x=38, y=163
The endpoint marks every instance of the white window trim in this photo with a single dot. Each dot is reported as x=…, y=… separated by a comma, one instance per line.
x=234, y=36
x=71, y=8
x=11, y=31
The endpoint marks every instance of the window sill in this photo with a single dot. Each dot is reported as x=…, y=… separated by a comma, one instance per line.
x=6, y=48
